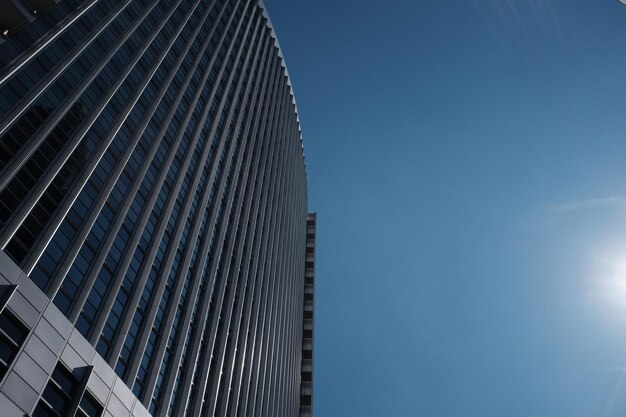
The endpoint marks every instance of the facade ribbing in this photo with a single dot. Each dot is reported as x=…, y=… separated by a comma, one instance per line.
x=306, y=380
x=153, y=211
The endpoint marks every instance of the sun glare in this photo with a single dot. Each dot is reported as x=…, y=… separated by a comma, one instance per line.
x=608, y=275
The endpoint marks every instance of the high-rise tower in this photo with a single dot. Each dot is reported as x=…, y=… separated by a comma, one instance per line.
x=153, y=212
x=306, y=392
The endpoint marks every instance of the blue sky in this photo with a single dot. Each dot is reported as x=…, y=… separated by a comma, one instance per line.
x=467, y=160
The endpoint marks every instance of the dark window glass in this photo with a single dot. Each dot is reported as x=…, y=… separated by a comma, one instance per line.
x=59, y=394
x=89, y=406
x=59, y=400
x=64, y=379
x=12, y=335
x=43, y=410
x=62, y=393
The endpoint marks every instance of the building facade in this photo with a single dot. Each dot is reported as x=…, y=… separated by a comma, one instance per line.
x=153, y=212
x=306, y=380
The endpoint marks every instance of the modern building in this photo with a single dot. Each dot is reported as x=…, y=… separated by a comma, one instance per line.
x=306, y=392
x=156, y=252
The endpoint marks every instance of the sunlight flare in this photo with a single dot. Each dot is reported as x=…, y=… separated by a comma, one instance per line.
x=608, y=275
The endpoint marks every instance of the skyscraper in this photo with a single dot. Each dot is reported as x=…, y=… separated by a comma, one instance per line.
x=306, y=392
x=153, y=212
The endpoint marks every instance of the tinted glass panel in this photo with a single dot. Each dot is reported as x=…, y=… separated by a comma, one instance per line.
x=12, y=335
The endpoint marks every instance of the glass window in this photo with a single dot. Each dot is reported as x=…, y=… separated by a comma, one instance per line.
x=12, y=336
x=61, y=395
x=89, y=406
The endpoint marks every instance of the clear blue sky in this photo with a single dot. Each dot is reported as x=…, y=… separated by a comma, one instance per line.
x=467, y=160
